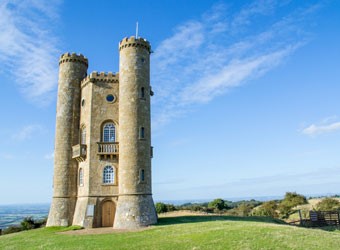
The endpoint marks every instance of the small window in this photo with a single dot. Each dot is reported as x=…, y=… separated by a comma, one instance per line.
x=109, y=132
x=81, y=177
x=83, y=102
x=142, y=175
x=142, y=133
x=142, y=93
x=83, y=135
x=110, y=98
x=108, y=175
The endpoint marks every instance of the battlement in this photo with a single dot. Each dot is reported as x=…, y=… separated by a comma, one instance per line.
x=133, y=42
x=100, y=77
x=73, y=57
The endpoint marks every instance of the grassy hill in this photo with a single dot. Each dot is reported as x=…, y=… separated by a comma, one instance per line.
x=184, y=232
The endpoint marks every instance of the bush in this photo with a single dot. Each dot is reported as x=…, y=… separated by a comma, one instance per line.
x=268, y=208
x=12, y=229
x=170, y=207
x=217, y=205
x=161, y=207
x=244, y=209
x=28, y=223
x=328, y=204
x=290, y=200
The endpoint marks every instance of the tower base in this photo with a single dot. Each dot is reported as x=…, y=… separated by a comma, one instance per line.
x=61, y=212
x=135, y=211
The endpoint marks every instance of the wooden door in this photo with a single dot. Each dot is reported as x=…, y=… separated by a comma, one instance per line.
x=108, y=214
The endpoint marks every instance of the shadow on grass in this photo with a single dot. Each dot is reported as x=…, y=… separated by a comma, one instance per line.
x=205, y=218
x=326, y=228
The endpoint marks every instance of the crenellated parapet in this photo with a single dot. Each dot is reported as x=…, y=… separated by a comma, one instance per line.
x=95, y=76
x=133, y=42
x=73, y=57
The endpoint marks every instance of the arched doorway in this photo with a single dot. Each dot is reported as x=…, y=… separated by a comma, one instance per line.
x=108, y=213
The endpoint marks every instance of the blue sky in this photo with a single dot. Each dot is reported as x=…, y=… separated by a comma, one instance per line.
x=246, y=92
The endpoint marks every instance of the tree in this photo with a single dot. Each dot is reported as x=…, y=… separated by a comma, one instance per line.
x=268, y=208
x=291, y=199
x=244, y=209
x=328, y=204
x=28, y=223
x=161, y=207
x=217, y=204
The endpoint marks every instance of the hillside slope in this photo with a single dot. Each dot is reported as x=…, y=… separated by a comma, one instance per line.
x=186, y=232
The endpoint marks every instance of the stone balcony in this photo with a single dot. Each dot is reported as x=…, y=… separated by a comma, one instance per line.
x=79, y=152
x=108, y=149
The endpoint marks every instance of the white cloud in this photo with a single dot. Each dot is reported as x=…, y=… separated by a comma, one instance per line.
x=316, y=129
x=27, y=132
x=28, y=48
x=224, y=49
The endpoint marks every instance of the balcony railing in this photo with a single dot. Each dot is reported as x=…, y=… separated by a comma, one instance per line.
x=108, y=148
x=79, y=152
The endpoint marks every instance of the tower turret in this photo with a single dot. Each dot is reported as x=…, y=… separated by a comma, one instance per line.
x=135, y=206
x=72, y=69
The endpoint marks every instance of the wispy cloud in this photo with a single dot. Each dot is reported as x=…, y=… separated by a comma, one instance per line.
x=327, y=125
x=314, y=181
x=27, y=132
x=224, y=49
x=28, y=47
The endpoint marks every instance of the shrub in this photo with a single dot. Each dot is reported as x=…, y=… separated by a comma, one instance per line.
x=12, y=229
x=217, y=204
x=268, y=208
x=290, y=200
x=28, y=223
x=244, y=209
x=328, y=204
x=170, y=207
x=161, y=207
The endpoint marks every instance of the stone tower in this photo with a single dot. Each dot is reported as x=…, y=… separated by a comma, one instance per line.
x=72, y=69
x=102, y=169
x=135, y=204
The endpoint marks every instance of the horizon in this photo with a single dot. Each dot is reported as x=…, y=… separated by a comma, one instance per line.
x=202, y=200
x=246, y=92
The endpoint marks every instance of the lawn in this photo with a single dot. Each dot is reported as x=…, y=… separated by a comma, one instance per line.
x=185, y=232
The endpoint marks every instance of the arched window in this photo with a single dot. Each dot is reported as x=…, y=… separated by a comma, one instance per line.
x=83, y=135
x=81, y=177
x=141, y=133
x=109, y=132
x=108, y=175
x=142, y=93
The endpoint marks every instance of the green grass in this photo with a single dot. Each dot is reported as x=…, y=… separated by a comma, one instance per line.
x=187, y=232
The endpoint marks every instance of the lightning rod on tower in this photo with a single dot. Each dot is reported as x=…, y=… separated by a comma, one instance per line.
x=136, y=30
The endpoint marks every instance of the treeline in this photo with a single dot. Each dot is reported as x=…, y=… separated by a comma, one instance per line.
x=275, y=208
x=27, y=223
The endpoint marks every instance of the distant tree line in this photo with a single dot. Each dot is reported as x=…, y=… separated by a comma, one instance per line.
x=27, y=223
x=274, y=208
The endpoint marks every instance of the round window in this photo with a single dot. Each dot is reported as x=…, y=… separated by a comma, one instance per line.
x=83, y=102
x=110, y=98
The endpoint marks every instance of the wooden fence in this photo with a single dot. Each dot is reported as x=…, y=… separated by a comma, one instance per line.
x=324, y=218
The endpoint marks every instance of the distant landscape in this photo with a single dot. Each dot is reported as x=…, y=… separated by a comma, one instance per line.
x=11, y=215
